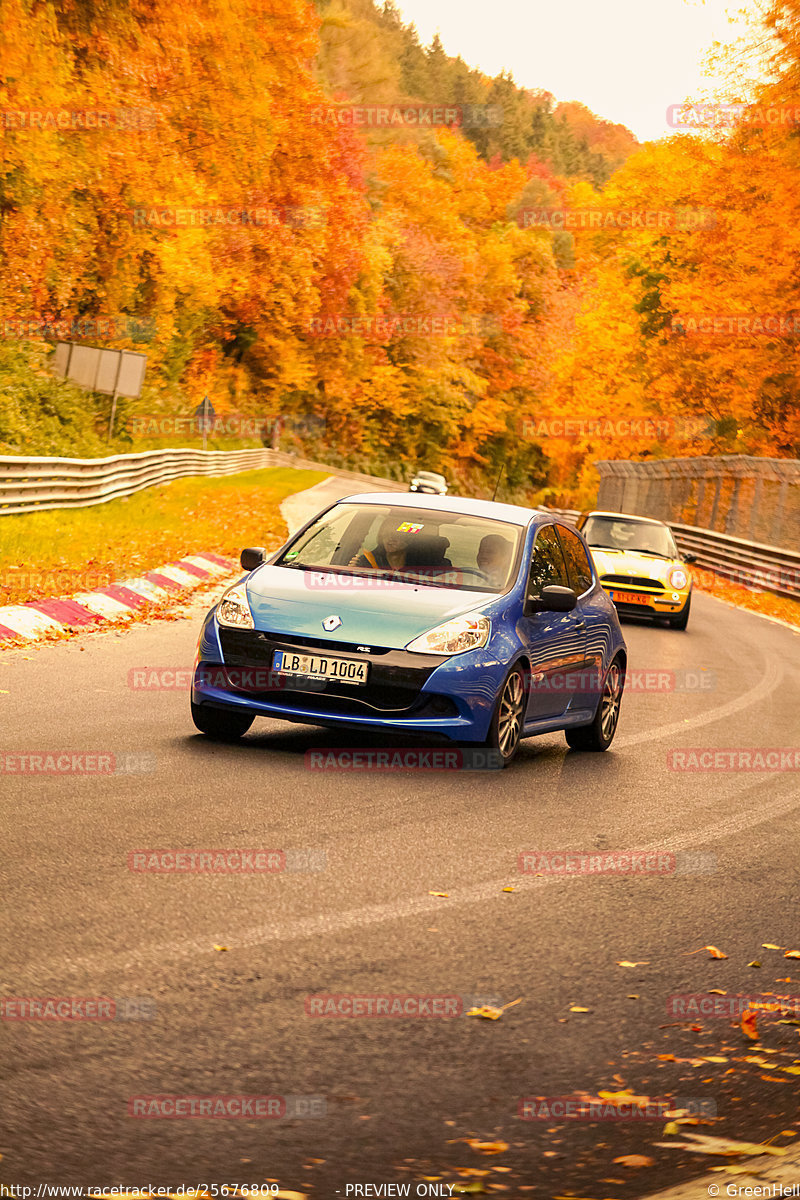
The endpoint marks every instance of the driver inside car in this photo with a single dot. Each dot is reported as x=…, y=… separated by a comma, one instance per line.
x=493, y=558
x=390, y=550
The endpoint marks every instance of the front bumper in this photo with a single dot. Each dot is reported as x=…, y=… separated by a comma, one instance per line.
x=417, y=693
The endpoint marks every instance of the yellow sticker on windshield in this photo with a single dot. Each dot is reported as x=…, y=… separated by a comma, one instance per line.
x=408, y=527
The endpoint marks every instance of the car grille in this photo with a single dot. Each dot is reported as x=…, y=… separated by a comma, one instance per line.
x=394, y=683
x=633, y=581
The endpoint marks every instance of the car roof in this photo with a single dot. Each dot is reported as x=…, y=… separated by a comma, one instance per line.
x=430, y=474
x=466, y=506
x=596, y=512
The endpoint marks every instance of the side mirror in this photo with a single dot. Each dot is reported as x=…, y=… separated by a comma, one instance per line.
x=553, y=598
x=689, y=558
x=252, y=557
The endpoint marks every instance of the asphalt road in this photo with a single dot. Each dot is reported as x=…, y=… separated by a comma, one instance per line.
x=398, y=1098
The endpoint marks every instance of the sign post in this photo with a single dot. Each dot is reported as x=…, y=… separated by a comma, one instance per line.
x=205, y=418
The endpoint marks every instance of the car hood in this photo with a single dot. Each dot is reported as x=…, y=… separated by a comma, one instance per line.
x=386, y=613
x=628, y=562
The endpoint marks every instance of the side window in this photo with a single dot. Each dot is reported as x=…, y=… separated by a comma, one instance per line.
x=580, y=570
x=547, y=562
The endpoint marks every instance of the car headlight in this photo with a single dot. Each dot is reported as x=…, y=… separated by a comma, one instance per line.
x=233, y=608
x=678, y=578
x=454, y=637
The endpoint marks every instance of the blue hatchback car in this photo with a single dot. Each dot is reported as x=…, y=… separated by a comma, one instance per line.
x=432, y=616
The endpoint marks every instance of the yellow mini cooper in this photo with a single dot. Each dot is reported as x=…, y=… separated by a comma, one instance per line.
x=639, y=565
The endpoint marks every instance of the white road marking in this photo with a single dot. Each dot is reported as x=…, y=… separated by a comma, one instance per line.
x=770, y=680
x=331, y=924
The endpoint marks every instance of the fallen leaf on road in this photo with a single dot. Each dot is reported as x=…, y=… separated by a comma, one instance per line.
x=712, y=950
x=577, y=1008
x=626, y=1097
x=755, y=963
x=792, y=954
x=216, y=947
x=509, y=889
x=634, y=1160
x=738, y=1169
x=490, y=1013
x=624, y=963
x=770, y=946
x=717, y=992
x=444, y=895
x=632, y=996
x=701, y=1143
x=486, y=1147
x=670, y=1129
x=749, y=1025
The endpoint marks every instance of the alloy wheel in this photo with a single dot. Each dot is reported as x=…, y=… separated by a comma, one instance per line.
x=612, y=692
x=509, y=724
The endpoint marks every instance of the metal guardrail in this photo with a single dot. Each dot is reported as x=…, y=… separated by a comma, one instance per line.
x=750, y=564
x=30, y=484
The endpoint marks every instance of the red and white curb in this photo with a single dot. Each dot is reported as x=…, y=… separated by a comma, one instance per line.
x=38, y=618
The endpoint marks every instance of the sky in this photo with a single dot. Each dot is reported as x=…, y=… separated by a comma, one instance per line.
x=626, y=60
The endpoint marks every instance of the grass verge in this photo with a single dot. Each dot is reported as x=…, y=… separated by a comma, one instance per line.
x=64, y=551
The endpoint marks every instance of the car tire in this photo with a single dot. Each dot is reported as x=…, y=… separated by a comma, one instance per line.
x=681, y=619
x=508, y=718
x=219, y=724
x=599, y=734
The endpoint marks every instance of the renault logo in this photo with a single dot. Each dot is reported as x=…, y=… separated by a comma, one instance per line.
x=332, y=622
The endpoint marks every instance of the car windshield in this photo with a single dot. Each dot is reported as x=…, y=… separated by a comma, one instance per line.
x=430, y=475
x=411, y=545
x=615, y=533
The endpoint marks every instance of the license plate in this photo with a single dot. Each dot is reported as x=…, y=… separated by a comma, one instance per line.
x=320, y=666
x=632, y=597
